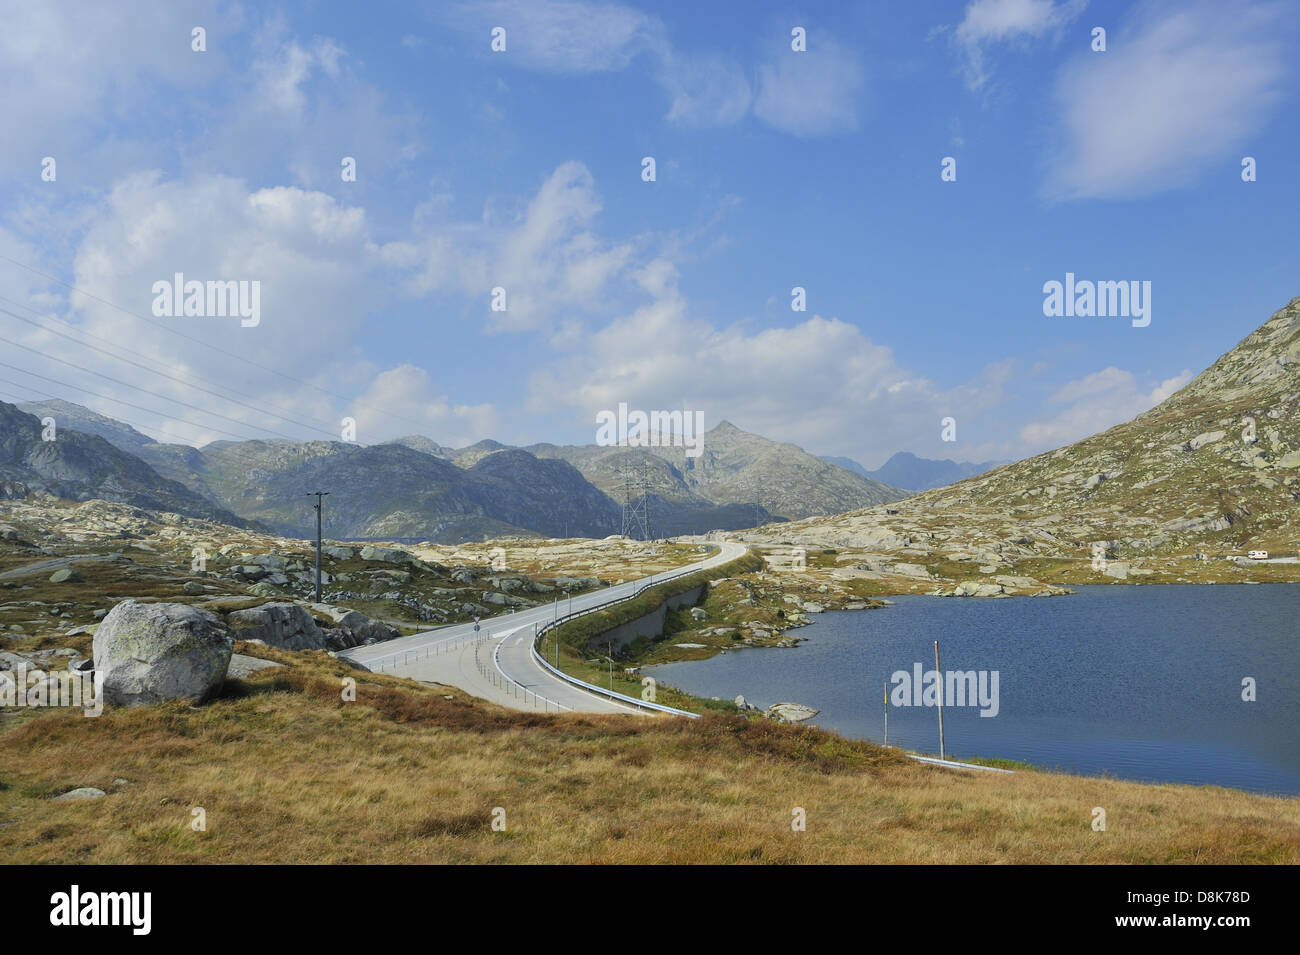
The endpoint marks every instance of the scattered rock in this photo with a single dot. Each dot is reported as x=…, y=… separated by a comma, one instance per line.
x=242, y=665
x=792, y=712
x=85, y=792
x=386, y=555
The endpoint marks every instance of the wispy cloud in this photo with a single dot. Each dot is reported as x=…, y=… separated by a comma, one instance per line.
x=548, y=257
x=562, y=36
x=990, y=23
x=806, y=94
x=811, y=93
x=1182, y=86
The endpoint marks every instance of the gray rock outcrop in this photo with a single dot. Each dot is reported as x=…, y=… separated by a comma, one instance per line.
x=284, y=625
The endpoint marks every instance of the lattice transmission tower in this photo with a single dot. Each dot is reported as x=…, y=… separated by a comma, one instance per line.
x=636, y=501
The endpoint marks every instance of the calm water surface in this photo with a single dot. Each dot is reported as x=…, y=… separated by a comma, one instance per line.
x=1140, y=682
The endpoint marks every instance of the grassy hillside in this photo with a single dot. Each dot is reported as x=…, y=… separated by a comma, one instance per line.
x=287, y=772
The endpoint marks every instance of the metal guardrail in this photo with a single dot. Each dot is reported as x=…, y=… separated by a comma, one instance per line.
x=599, y=690
x=403, y=657
x=506, y=681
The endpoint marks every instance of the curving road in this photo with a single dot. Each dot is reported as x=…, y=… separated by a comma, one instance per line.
x=497, y=662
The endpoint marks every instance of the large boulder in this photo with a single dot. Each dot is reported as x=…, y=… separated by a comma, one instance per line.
x=283, y=625
x=148, y=653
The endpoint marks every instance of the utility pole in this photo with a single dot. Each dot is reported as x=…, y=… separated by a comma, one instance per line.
x=939, y=673
x=886, y=685
x=318, y=506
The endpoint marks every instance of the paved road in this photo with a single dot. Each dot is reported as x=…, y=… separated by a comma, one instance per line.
x=497, y=662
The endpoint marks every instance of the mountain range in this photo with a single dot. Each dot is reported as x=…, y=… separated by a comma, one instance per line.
x=416, y=489
x=1216, y=466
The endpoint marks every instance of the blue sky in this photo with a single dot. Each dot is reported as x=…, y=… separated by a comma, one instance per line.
x=523, y=169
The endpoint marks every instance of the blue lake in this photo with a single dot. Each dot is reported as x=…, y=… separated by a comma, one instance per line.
x=1138, y=682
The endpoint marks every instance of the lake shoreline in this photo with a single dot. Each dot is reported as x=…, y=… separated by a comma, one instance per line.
x=1184, y=721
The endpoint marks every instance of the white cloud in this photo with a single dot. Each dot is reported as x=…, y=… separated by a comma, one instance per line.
x=706, y=90
x=810, y=93
x=820, y=383
x=1181, y=88
x=313, y=258
x=989, y=22
x=1094, y=403
x=85, y=88
x=69, y=78
x=285, y=67
x=304, y=105
x=402, y=400
x=547, y=257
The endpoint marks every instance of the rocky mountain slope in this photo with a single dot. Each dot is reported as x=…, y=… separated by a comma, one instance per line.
x=736, y=468
x=81, y=467
x=1214, y=469
x=78, y=418
x=392, y=492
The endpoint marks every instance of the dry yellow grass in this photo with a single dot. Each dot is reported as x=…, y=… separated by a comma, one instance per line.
x=287, y=772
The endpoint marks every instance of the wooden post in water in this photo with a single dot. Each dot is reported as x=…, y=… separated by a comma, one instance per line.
x=885, y=684
x=939, y=676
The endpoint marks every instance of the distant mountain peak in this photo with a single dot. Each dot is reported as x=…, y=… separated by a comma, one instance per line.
x=910, y=472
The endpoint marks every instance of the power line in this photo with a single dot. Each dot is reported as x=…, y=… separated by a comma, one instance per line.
x=117, y=381
x=120, y=401
x=13, y=396
x=152, y=370
x=172, y=331
x=243, y=457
